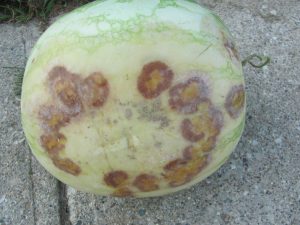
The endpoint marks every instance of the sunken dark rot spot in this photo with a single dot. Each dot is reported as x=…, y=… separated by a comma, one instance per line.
x=208, y=122
x=67, y=165
x=155, y=78
x=186, y=96
x=115, y=178
x=146, y=182
x=235, y=101
x=123, y=192
x=95, y=90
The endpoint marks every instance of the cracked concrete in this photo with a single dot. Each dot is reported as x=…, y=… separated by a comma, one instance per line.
x=258, y=185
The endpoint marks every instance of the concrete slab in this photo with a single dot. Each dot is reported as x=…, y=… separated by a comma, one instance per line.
x=260, y=184
x=28, y=194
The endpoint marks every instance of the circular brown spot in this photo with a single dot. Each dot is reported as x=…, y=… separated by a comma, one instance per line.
x=95, y=90
x=155, y=78
x=64, y=86
x=192, y=130
x=235, y=101
x=181, y=171
x=53, y=142
x=122, y=192
x=146, y=182
x=67, y=165
x=52, y=118
x=115, y=178
x=207, y=123
x=186, y=96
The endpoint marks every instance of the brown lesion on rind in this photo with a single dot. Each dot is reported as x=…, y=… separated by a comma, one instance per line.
x=67, y=165
x=146, y=182
x=122, y=192
x=186, y=96
x=235, y=101
x=64, y=86
x=53, y=143
x=68, y=92
x=116, y=178
x=182, y=170
x=52, y=118
x=230, y=47
x=155, y=78
x=95, y=90
x=207, y=123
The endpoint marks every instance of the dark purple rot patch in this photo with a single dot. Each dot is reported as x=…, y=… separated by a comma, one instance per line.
x=53, y=142
x=95, y=90
x=67, y=165
x=155, y=78
x=115, y=178
x=146, y=182
x=64, y=85
x=235, y=101
x=123, y=192
x=207, y=123
x=52, y=118
x=186, y=96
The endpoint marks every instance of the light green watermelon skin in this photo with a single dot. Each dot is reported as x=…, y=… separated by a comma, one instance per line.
x=117, y=38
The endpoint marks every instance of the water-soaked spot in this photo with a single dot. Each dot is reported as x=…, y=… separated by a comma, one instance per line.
x=64, y=86
x=67, y=165
x=115, y=178
x=53, y=142
x=235, y=101
x=155, y=78
x=146, y=182
x=182, y=171
x=95, y=90
x=122, y=192
x=53, y=118
x=186, y=96
x=208, y=122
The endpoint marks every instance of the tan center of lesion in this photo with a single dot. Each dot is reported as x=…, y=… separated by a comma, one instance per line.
x=189, y=93
x=238, y=100
x=55, y=120
x=154, y=81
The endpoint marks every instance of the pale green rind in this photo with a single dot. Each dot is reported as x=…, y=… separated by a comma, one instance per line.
x=98, y=37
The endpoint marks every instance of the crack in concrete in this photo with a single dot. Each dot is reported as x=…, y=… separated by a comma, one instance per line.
x=64, y=210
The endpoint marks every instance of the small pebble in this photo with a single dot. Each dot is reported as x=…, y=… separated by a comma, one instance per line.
x=142, y=212
x=278, y=140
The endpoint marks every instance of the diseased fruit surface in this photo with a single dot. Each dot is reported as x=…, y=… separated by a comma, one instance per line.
x=134, y=98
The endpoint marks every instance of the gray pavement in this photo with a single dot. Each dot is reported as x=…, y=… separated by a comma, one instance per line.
x=260, y=184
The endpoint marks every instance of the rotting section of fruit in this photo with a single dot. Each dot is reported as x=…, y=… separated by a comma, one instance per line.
x=70, y=98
